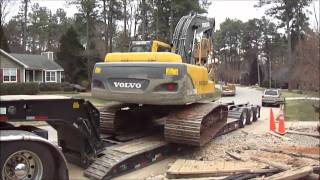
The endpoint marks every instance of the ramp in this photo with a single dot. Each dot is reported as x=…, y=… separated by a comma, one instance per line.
x=121, y=158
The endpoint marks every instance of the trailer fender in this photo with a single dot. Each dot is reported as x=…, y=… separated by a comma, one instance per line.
x=61, y=170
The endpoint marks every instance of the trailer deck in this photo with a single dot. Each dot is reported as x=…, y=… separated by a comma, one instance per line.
x=103, y=155
x=125, y=157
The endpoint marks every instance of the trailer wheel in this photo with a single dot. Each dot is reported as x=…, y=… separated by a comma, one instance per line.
x=251, y=116
x=26, y=160
x=243, y=118
x=256, y=113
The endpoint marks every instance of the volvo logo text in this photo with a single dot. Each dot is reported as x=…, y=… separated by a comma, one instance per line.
x=127, y=85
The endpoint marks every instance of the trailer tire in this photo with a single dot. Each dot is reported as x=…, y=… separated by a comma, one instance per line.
x=257, y=113
x=243, y=118
x=35, y=160
x=251, y=116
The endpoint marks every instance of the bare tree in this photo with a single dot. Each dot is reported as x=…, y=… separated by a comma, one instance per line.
x=24, y=24
x=4, y=10
x=110, y=22
x=144, y=19
x=316, y=18
x=171, y=19
x=105, y=25
x=125, y=18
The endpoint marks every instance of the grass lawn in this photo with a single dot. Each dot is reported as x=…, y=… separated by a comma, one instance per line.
x=301, y=110
x=286, y=93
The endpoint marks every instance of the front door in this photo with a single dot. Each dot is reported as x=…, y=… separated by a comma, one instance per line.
x=29, y=76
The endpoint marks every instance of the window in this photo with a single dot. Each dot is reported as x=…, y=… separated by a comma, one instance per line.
x=10, y=75
x=140, y=48
x=271, y=92
x=51, y=76
x=164, y=49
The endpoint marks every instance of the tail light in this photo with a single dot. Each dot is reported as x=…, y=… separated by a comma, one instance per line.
x=171, y=87
x=167, y=87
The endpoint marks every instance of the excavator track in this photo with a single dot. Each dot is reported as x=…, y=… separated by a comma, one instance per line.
x=117, y=118
x=195, y=124
x=108, y=120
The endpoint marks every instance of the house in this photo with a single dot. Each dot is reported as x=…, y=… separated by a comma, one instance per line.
x=29, y=68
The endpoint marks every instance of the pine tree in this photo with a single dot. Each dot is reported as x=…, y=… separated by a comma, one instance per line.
x=3, y=40
x=71, y=57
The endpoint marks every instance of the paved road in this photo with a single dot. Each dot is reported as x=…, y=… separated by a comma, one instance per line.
x=243, y=95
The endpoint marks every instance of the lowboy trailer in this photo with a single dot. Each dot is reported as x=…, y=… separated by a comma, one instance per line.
x=26, y=152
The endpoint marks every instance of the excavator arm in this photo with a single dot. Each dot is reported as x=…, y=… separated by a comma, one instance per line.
x=184, y=37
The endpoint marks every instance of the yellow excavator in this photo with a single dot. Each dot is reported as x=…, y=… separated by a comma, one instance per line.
x=155, y=80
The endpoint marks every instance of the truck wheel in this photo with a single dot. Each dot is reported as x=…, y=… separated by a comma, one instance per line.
x=26, y=160
x=243, y=118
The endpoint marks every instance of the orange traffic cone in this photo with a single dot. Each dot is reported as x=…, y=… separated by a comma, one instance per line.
x=272, y=122
x=281, y=128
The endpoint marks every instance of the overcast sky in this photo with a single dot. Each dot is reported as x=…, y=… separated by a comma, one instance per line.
x=220, y=9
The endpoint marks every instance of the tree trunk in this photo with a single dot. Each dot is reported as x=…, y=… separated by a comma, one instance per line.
x=125, y=17
x=135, y=23
x=110, y=27
x=24, y=28
x=144, y=20
x=105, y=25
x=88, y=46
x=1, y=12
x=157, y=19
x=171, y=20
x=289, y=48
x=130, y=21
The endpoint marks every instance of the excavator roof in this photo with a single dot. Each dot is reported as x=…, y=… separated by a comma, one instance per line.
x=143, y=57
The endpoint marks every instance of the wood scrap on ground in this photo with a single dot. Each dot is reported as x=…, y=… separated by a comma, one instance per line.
x=303, y=133
x=278, y=165
x=195, y=169
x=279, y=136
x=292, y=174
x=235, y=156
x=302, y=155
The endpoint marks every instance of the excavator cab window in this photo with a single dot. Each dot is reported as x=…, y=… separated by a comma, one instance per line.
x=163, y=49
x=140, y=46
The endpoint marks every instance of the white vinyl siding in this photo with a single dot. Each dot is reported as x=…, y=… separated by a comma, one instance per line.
x=9, y=75
x=51, y=76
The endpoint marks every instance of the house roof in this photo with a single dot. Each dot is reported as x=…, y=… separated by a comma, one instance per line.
x=37, y=62
x=13, y=58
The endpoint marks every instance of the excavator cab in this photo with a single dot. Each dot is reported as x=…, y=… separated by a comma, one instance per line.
x=156, y=73
x=150, y=46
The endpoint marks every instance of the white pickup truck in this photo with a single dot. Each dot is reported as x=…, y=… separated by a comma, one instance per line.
x=272, y=97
